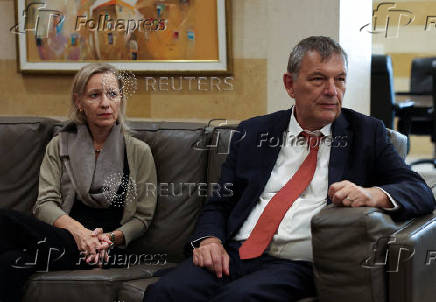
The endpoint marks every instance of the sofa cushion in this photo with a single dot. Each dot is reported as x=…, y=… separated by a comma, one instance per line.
x=85, y=285
x=22, y=146
x=181, y=165
x=133, y=291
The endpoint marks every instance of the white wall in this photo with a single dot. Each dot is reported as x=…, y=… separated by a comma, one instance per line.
x=353, y=15
x=292, y=20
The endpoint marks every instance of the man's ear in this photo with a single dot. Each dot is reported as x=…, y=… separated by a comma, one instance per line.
x=288, y=80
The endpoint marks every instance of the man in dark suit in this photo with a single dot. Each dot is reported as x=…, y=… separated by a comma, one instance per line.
x=256, y=244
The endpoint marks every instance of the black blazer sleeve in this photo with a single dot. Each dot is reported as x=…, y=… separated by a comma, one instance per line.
x=405, y=186
x=213, y=218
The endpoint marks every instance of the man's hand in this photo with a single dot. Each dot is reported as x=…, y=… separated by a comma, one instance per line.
x=348, y=194
x=212, y=255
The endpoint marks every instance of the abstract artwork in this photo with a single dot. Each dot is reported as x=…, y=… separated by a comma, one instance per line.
x=151, y=36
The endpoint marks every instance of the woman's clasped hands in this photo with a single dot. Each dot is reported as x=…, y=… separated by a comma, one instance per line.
x=94, y=245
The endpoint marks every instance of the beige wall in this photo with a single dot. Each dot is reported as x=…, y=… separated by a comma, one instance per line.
x=49, y=95
x=263, y=33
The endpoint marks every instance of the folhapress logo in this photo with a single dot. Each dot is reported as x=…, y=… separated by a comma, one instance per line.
x=35, y=14
x=387, y=20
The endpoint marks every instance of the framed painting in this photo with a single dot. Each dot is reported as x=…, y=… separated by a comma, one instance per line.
x=143, y=36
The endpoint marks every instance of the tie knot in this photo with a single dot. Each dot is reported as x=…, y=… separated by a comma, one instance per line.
x=313, y=139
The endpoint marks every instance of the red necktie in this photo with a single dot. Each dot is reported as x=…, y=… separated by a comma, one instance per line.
x=277, y=207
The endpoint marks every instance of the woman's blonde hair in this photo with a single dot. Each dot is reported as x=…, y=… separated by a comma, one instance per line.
x=80, y=83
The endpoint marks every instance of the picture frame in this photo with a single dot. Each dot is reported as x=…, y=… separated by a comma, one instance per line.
x=165, y=37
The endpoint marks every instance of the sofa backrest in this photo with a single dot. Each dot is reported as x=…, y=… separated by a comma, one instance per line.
x=188, y=157
x=181, y=163
x=22, y=147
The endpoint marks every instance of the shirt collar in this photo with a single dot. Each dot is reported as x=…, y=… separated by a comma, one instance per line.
x=294, y=128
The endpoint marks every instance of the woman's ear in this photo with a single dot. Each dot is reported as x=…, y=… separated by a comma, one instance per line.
x=77, y=102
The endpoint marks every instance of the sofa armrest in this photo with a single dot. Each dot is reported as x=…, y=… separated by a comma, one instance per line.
x=412, y=261
x=350, y=253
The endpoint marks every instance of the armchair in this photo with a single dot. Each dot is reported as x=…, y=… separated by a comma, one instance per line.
x=383, y=102
x=419, y=119
x=360, y=254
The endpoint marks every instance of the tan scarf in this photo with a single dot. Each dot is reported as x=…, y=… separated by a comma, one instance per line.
x=87, y=174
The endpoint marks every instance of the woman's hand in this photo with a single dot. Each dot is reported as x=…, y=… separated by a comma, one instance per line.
x=118, y=237
x=107, y=243
x=86, y=240
x=102, y=253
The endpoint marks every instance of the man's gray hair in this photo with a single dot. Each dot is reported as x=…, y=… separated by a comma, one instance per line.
x=325, y=46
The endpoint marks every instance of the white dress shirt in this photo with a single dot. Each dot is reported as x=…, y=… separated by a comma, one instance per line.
x=293, y=239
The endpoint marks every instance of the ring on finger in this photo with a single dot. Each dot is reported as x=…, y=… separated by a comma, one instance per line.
x=348, y=198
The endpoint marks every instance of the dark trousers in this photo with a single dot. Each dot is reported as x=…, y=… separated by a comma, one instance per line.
x=265, y=278
x=28, y=245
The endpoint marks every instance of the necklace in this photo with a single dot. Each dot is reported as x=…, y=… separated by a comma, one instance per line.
x=98, y=148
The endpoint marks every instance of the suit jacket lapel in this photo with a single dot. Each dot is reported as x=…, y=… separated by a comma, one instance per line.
x=340, y=150
x=270, y=151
